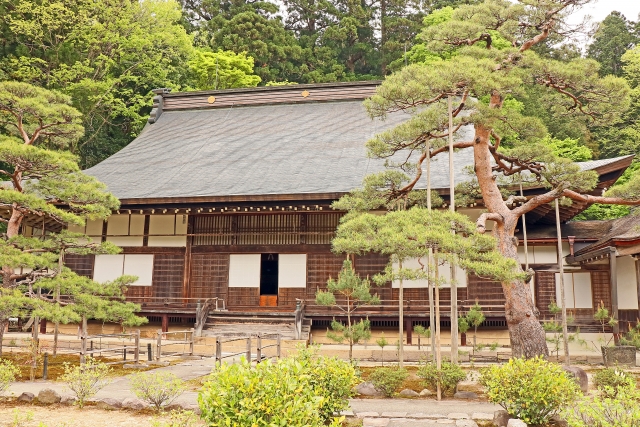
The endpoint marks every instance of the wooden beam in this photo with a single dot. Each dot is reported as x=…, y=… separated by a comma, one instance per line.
x=613, y=274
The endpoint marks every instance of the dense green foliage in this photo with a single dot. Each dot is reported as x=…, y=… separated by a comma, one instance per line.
x=304, y=389
x=606, y=411
x=532, y=390
x=609, y=381
x=156, y=388
x=8, y=374
x=85, y=381
x=387, y=380
x=449, y=375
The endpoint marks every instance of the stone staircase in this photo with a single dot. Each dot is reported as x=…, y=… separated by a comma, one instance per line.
x=224, y=323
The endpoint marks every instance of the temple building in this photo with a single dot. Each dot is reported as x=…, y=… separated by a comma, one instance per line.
x=228, y=195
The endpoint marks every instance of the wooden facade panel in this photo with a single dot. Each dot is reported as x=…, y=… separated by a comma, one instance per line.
x=287, y=296
x=320, y=267
x=139, y=292
x=486, y=292
x=209, y=276
x=168, y=271
x=243, y=297
x=545, y=287
x=601, y=289
x=368, y=266
x=82, y=265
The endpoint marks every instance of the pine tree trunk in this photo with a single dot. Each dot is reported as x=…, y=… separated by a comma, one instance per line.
x=3, y=325
x=527, y=336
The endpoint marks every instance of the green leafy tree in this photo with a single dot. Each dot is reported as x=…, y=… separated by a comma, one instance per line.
x=106, y=55
x=475, y=317
x=481, y=71
x=382, y=343
x=43, y=186
x=353, y=293
x=421, y=332
x=222, y=70
x=614, y=36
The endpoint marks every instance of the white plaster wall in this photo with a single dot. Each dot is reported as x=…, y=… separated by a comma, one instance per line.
x=410, y=284
x=474, y=214
x=577, y=290
x=244, y=270
x=108, y=267
x=627, y=283
x=173, y=225
x=125, y=230
x=292, y=271
x=94, y=229
x=140, y=265
x=545, y=255
x=445, y=273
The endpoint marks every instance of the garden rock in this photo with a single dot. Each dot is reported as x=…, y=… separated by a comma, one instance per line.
x=367, y=389
x=501, y=418
x=465, y=395
x=425, y=393
x=409, y=393
x=516, y=423
x=68, y=400
x=133, y=403
x=579, y=375
x=26, y=397
x=109, y=403
x=559, y=422
x=49, y=396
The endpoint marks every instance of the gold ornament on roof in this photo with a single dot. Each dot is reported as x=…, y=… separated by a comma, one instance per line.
x=211, y=99
x=305, y=93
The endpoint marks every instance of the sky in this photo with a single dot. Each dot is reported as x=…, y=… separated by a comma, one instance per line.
x=599, y=9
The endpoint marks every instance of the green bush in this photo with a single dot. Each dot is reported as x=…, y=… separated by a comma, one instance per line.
x=301, y=390
x=86, y=380
x=532, y=390
x=8, y=374
x=610, y=380
x=157, y=388
x=449, y=376
x=387, y=380
x=622, y=410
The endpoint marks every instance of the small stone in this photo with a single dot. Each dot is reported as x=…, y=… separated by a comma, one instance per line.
x=481, y=416
x=49, y=396
x=466, y=423
x=465, y=395
x=26, y=397
x=458, y=416
x=559, y=422
x=393, y=414
x=367, y=389
x=501, y=418
x=516, y=423
x=176, y=407
x=375, y=422
x=580, y=376
x=419, y=415
x=446, y=421
x=367, y=414
x=426, y=392
x=407, y=392
x=347, y=413
x=68, y=400
x=132, y=403
x=108, y=403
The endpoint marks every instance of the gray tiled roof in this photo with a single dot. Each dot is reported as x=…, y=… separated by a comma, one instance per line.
x=257, y=150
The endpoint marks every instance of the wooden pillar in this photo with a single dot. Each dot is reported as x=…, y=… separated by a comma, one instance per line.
x=637, y=261
x=613, y=274
x=186, y=274
x=145, y=238
x=409, y=327
x=165, y=323
x=43, y=326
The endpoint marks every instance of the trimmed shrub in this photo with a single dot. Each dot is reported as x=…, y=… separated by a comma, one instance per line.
x=449, y=376
x=387, y=380
x=533, y=390
x=8, y=374
x=606, y=411
x=156, y=388
x=301, y=390
x=86, y=380
x=609, y=380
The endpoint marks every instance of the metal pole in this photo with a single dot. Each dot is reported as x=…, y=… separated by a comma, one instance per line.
x=565, y=333
x=192, y=343
x=452, y=207
x=149, y=353
x=45, y=366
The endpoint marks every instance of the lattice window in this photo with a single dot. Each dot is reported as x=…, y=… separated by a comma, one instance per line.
x=209, y=275
x=168, y=273
x=82, y=265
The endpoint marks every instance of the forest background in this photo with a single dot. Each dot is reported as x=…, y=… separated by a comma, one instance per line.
x=109, y=55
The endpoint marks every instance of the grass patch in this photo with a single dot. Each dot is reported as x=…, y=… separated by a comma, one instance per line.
x=412, y=382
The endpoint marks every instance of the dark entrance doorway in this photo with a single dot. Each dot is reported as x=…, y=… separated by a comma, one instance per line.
x=269, y=274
